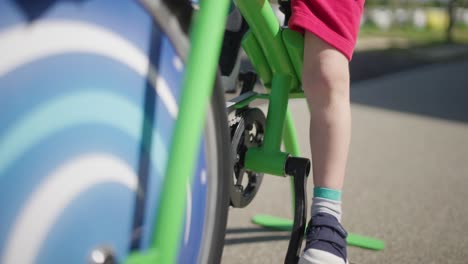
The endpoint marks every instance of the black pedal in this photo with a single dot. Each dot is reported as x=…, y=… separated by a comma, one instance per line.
x=298, y=168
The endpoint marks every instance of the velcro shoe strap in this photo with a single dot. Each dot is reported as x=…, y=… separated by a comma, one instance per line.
x=330, y=223
x=325, y=233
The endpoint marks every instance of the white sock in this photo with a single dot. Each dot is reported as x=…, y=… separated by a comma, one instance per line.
x=323, y=205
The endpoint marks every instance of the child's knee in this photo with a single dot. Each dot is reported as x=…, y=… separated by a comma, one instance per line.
x=326, y=70
x=328, y=81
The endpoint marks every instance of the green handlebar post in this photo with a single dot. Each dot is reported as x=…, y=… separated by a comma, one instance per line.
x=197, y=88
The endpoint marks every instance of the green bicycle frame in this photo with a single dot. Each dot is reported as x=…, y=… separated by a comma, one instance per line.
x=266, y=38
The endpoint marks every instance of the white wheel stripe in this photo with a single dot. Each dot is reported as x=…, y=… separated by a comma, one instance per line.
x=203, y=177
x=188, y=212
x=23, y=44
x=177, y=62
x=48, y=201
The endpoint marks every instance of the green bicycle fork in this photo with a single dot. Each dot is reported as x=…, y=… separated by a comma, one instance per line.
x=197, y=87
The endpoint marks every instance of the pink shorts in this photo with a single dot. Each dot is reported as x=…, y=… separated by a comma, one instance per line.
x=334, y=21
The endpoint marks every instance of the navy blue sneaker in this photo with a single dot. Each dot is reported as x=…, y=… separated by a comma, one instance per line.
x=326, y=241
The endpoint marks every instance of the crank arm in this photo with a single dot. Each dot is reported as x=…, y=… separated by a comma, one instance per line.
x=298, y=168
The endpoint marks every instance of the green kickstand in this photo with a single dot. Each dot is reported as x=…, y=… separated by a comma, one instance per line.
x=282, y=224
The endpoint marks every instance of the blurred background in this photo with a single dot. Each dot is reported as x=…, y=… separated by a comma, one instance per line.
x=401, y=34
x=411, y=22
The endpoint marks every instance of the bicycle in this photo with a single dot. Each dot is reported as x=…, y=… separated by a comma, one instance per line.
x=86, y=121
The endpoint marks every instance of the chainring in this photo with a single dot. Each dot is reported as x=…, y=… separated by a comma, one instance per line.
x=246, y=132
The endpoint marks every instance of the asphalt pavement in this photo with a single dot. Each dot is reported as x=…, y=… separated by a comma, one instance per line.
x=407, y=180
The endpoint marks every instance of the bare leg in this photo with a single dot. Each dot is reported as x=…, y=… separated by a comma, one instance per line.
x=326, y=85
x=325, y=80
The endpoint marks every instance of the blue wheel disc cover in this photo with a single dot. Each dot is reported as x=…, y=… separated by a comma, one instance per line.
x=88, y=97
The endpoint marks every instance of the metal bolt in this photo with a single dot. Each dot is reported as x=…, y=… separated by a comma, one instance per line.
x=259, y=138
x=102, y=256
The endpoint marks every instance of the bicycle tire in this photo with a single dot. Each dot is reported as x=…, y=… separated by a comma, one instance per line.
x=218, y=221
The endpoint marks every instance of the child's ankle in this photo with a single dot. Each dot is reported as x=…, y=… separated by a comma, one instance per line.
x=327, y=201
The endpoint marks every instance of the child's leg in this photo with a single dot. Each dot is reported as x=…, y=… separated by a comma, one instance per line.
x=325, y=82
x=326, y=85
x=330, y=29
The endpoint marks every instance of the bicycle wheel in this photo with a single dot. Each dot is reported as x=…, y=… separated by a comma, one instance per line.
x=89, y=93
